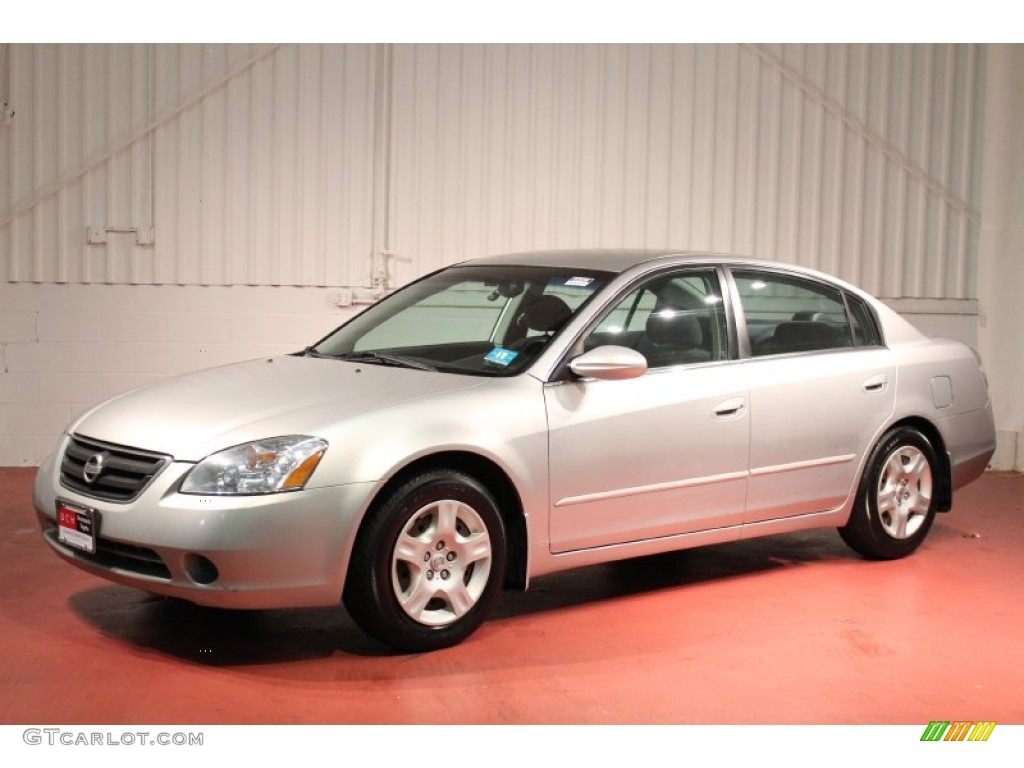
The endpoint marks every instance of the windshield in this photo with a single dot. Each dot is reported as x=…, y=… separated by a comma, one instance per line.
x=478, y=320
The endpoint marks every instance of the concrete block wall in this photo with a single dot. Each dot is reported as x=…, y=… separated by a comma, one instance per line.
x=64, y=348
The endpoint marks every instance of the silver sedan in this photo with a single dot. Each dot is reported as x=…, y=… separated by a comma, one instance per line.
x=513, y=416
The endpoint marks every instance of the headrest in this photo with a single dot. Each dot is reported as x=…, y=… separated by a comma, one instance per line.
x=802, y=335
x=674, y=327
x=810, y=314
x=546, y=314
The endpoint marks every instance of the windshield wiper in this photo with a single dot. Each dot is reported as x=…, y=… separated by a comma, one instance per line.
x=381, y=358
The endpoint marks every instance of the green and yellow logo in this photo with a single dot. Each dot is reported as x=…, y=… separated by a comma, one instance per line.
x=960, y=730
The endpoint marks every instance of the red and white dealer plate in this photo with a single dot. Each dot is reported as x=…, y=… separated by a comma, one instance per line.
x=76, y=526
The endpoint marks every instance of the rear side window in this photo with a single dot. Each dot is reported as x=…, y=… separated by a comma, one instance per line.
x=786, y=314
x=862, y=319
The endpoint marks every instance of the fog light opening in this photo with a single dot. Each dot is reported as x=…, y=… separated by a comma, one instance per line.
x=201, y=569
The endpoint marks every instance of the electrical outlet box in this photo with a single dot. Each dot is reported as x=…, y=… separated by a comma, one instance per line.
x=144, y=236
x=342, y=298
x=96, y=235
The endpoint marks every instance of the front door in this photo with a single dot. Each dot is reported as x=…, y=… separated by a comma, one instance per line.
x=658, y=455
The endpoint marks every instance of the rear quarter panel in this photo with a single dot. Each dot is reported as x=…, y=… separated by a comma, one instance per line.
x=942, y=381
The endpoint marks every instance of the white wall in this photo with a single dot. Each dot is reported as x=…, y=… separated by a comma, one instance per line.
x=268, y=177
x=1001, y=294
x=301, y=164
x=860, y=160
x=252, y=165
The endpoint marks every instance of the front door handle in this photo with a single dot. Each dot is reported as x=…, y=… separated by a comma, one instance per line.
x=730, y=408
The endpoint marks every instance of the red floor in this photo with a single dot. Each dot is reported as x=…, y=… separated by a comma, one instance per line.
x=791, y=629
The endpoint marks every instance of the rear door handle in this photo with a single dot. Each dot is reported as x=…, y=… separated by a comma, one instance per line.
x=730, y=408
x=876, y=383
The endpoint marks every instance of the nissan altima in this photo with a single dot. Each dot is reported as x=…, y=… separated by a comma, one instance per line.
x=512, y=416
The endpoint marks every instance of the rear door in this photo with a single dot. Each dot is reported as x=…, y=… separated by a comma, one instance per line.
x=821, y=385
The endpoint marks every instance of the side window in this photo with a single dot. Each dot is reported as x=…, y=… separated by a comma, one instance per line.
x=627, y=319
x=675, y=319
x=786, y=314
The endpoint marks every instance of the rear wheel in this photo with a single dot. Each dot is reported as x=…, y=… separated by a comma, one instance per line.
x=895, y=503
x=429, y=563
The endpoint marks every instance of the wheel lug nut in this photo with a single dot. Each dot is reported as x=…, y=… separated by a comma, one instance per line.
x=450, y=556
x=440, y=546
x=426, y=557
x=445, y=574
x=430, y=575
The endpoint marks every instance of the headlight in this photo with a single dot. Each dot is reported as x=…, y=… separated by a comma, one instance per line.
x=262, y=466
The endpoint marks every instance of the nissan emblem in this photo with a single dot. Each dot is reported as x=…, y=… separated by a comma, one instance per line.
x=94, y=467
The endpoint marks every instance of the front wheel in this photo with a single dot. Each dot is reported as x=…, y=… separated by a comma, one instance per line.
x=895, y=504
x=429, y=562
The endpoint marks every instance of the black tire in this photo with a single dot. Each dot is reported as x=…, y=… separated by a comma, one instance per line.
x=895, y=504
x=439, y=587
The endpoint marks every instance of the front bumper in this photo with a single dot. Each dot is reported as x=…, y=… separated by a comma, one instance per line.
x=275, y=551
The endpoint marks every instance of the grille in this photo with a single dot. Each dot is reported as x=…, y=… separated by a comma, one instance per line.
x=116, y=554
x=126, y=471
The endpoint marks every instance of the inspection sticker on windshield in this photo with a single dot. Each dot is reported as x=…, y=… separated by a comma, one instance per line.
x=501, y=356
x=579, y=281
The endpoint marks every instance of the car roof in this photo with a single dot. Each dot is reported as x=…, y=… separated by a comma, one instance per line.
x=619, y=260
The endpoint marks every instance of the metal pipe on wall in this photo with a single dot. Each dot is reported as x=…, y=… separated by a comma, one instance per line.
x=380, y=245
x=6, y=113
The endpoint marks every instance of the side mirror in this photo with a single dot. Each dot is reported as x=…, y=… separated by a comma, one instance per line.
x=609, y=362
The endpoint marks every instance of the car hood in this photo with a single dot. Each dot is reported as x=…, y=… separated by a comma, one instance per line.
x=191, y=416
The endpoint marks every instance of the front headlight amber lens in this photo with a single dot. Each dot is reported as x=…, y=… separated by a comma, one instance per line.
x=262, y=466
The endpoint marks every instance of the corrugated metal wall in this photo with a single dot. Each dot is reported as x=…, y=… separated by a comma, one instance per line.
x=302, y=164
x=252, y=164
